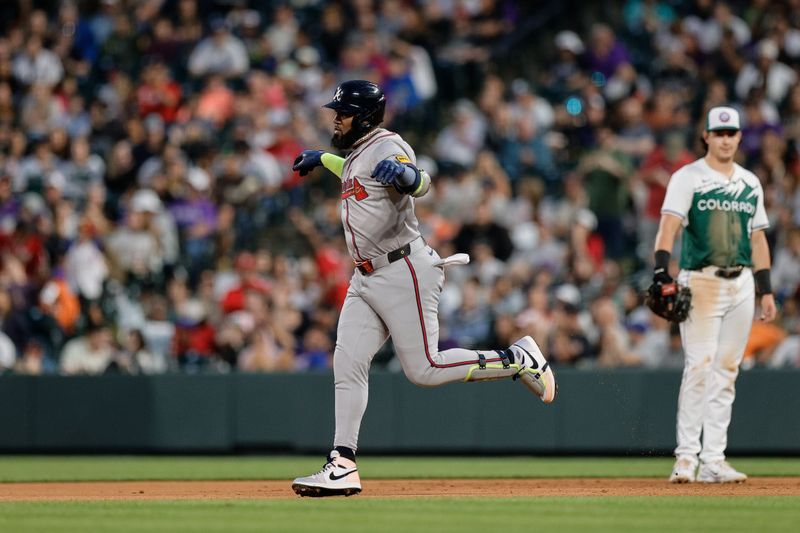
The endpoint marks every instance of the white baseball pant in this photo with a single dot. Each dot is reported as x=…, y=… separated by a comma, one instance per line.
x=714, y=338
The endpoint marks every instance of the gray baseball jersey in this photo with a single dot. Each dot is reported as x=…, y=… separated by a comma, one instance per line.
x=400, y=299
x=377, y=219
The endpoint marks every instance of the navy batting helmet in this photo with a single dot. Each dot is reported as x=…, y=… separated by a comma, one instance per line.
x=362, y=99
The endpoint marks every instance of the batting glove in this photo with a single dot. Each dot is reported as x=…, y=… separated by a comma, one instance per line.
x=392, y=172
x=307, y=161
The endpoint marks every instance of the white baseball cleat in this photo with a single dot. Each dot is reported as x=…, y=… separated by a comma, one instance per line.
x=720, y=472
x=535, y=373
x=683, y=471
x=339, y=477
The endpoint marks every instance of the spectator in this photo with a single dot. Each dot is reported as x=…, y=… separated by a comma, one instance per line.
x=193, y=344
x=615, y=345
x=121, y=175
x=91, y=353
x=33, y=360
x=282, y=33
x=564, y=74
x=81, y=170
x=606, y=55
x=567, y=341
x=766, y=71
x=248, y=279
x=8, y=353
x=58, y=301
x=483, y=229
x=215, y=104
x=606, y=171
x=119, y=48
x=141, y=359
x=460, y=140
x=786, y=270
x=650, y=342
x=316, y=352
x=40, y=112
x=38, y=65
x=158, y=93
x=635, y=139
x=709, y=30
x=655, y=173
x=271, y=348
x=470, y=324
x=85, y=265
x=166, y=47
x=196, y=217
x=157, y=330
x=221, y=53
x=133, y=250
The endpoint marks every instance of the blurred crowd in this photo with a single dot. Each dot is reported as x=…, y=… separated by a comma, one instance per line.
x=150, y=221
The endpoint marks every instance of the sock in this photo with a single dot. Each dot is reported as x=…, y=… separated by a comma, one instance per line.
x=346, y=452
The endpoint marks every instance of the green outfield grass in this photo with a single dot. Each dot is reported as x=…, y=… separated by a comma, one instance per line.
x=122, y=468
x=562, y=515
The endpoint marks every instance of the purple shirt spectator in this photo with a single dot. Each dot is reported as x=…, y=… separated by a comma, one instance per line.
x=605, y=54
x=192, y=213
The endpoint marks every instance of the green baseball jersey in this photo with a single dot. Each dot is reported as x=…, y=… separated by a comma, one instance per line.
x=719, y=214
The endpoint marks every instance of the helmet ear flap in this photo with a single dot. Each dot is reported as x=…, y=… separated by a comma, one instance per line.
x=374, y=117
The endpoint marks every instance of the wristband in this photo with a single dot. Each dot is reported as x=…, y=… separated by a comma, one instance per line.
x=763, y=282
x=661, y=258
x=414, y=185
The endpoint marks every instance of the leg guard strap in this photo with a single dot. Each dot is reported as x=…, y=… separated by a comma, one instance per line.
x=491, y=371
x=503, y=354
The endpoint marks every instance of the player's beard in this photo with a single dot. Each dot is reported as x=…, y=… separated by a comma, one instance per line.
x=343, y=142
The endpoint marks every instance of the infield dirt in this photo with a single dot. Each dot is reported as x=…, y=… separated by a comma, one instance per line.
x=394, y=488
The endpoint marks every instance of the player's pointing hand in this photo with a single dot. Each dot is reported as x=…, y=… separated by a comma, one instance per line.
x=307, y=161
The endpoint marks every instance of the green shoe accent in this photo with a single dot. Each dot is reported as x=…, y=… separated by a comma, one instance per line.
x=505, y=372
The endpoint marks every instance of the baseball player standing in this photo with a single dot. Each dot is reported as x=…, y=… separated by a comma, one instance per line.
x=396, y=285
x=725, y=262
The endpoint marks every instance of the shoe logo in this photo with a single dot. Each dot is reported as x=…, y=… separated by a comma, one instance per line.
x=334, y=477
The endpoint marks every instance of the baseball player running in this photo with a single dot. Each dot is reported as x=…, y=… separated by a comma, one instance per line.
x=724, y=260
x=396, y=285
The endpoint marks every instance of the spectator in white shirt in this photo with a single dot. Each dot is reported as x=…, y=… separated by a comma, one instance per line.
x=37, y=65
x=766, y=71
x=85, y=264
x=221, y=53
x=88, y=354
x=8, y=353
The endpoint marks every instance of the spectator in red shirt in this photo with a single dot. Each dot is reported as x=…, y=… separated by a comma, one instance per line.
x=249, y=279
x=158, y=93
x=193, y=344
x=655, y=172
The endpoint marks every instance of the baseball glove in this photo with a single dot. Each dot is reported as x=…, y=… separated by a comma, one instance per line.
x=669, y=300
